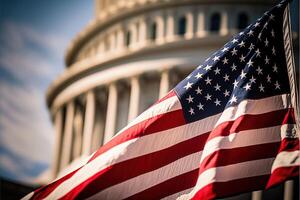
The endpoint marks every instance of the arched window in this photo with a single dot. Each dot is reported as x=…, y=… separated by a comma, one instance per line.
x=181, y=26
x=153, y=28
x=215, y=22
x=242, y=21
x=128, y=38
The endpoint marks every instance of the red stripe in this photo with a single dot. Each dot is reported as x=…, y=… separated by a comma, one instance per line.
x=247, y=122
x=152, y=125
x=282, y=174
x=152, y=161
x=169, y=187
x=230, y=188
x=289, y=144
x=169, y=95
x=43, y=192
x=225, y=157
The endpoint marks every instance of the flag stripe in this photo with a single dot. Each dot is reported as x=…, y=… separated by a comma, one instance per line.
x=287, y=159
x=169, y=188
x=83, y=176
x=231, y=187
x=235, y=155
x=152, y=161
x=231, y=172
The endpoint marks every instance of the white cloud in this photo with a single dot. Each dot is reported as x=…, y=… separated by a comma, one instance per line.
x=32, y=59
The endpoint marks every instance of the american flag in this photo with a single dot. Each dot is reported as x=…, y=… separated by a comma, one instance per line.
x=228, y=128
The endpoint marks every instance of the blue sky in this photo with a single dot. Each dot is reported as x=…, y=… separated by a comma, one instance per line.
x=33, y=37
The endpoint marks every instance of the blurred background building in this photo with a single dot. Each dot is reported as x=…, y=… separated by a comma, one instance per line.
x=129, y=56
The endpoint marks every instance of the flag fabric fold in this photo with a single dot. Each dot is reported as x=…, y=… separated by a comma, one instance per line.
x=227, y=128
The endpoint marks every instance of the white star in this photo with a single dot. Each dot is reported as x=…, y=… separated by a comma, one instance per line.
x=234, y=52
x=188, y=77
x=190, y=99
x=225, y=49
x=216, y=58
x=241, y=33
x=261, y=88
x=269, y=78
x=271, y=17
x=250, y=63
x=208, y=67
x=252, y=80
x=200, y=106
x=272, y=33
x=188, y=85
x=243, y=74
x=242, y=44
x=234, y=41
x=198, y=75
x=242, y=58
x=226, y=78
x=225, y=61
x=191, y=111
x=233, y=67
x=233, y=99
x=257, y=53
x=273, y=51
x=275, y=68
x=266, y=42
x=251, y=46
x=267, y=60
x=277, y=86
x=217, y=102
x=208, y=81
x=198, y=90
x=259, y=70
x=247, y=87
x=226, y=93
x=217, y=87
x=208, y=97
x=235, y=84
x=217, y=71
x=279, y=5
x=250, y=33
x=256, y=24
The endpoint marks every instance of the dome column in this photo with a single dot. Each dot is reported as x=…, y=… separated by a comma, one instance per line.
x=68, y=135
x=134, y=98
x=201, y=32
x=111, y=114
x=89, y=119
x=164, y=83
x=58, y=123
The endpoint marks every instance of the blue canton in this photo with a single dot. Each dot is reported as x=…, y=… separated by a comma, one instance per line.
x=250, y=66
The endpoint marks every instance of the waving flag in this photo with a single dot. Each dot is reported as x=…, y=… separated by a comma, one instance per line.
x=228, y=128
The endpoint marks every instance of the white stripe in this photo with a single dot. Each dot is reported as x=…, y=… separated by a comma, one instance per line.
x=242, y=139
x=286, y=159
x=147, y=180
x=161, y=140
x=28, y=196
x=176, y=195
x=231, y=172
x=254, y=106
